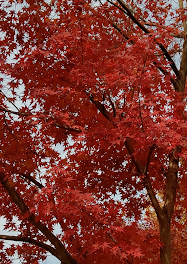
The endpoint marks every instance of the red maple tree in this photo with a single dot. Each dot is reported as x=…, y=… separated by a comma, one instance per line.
x=93, y=130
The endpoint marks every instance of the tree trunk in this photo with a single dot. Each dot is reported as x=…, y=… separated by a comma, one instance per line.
x=165, y=217
x=165, y=239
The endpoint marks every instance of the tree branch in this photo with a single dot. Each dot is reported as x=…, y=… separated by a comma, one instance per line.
x=127, y=38
x=159, y=211
x=180, y=82
x=13, y=112
x=112, y=105
x=149, y=158
x=100, y=107
x=175, y=82
x=119, y=30
x=130, y=14
x=130, y=149
x=30, y=178
x=63, y=254
x=9, y=100
x=167, y=55
x=73, y=129
x=31, y=241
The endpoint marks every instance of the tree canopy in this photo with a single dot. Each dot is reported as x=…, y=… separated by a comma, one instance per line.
x=93, y=130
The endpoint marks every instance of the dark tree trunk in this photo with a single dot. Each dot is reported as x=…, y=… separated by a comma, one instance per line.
x=165, y=239
x=165, y=217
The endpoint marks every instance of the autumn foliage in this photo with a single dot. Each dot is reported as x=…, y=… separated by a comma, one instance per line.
x=93, y=131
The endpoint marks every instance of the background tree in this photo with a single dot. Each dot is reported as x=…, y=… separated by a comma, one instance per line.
x=99, y=81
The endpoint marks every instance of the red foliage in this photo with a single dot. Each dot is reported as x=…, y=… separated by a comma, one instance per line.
x=79, y=79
